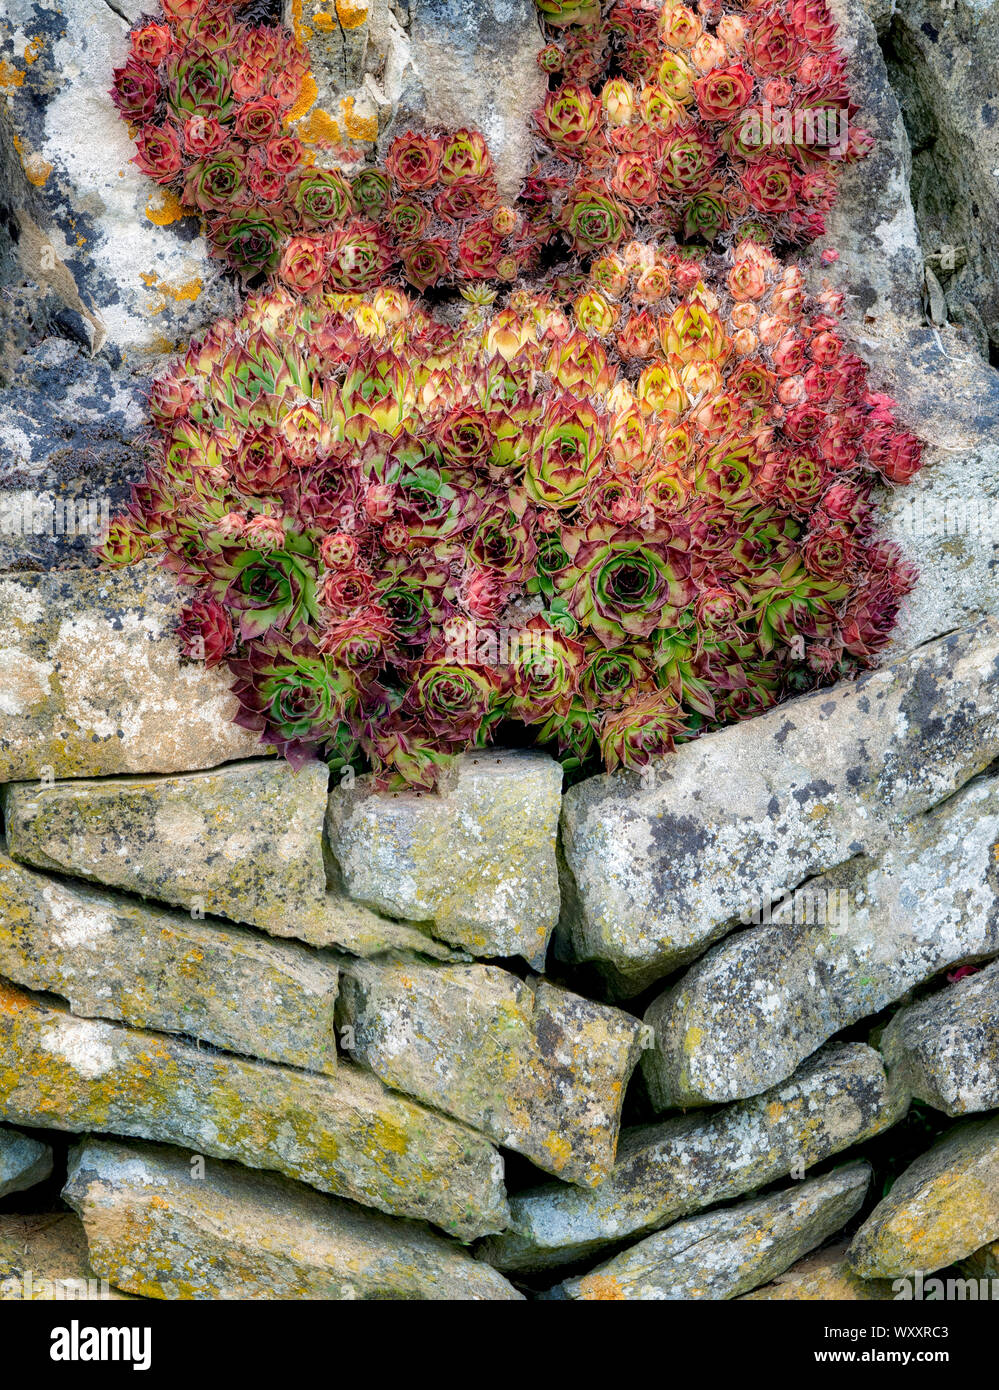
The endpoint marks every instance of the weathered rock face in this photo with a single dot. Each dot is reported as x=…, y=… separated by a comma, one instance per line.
x=745, y=814
x=725, y=1253
x=942, y=1208
x=344, y=1134
x=91, y=681
x=44, y=1259
x=23, y=1161
x=668, y=1170
x=143, y=279
x=538, y=1069
x=157, y=1231
x=946, y=1048
x=843, y=948
x=824, y=1278
x=476, y=859
x=111, y=957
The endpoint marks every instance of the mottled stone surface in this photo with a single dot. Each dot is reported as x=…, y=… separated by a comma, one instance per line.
x=660, y=871
x=476, y=858
x=725, y=1253
x=23, y=1161
x=537, y=1068
x=843, y=948
x=91, y=681
x=112, y=957
x=984, y=1263
x=664, y=1171
x=143, y=275
x=824, y=1278
x=344, y=1134
x=234, y=1234
x=944, y=1207
x=946, y=1047
x=44, y=1259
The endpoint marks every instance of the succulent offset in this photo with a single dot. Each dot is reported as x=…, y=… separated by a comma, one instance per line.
x=631, y=504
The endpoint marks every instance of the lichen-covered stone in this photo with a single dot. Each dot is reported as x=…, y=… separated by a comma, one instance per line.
x=24, y=1161
x=944, y=1207
x=44, y=1259
x=345, y=1134
x=476, y=858
x=722, y=1254
x=824, y=1278
x=537, y=1068
x=92, y=684
x=946, y=1048
x=751, y=811
x=845, y=946
x=984, y=1263
x=233, y=1234
x=839, y=1098
x=112, y=957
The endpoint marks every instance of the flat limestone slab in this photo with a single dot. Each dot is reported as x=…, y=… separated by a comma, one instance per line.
x=946, y=1047
x=344, y=1134
x=539, y=1069
x=847, y=945
x=92, y=684
x=44, y=1259
x=475, y=858
x=236, y=1234
x=24, y=1161
x=839, y=1098
x=823, y=1278
x=117, y=958
x=660, y=868
x=944, y=1207
x=722, y=1254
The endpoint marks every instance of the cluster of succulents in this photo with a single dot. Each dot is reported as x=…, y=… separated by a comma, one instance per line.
x=691, y=124
x=633, y=503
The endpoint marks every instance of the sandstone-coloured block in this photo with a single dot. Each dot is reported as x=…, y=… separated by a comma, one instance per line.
x=823, y=1278
x=346, y=1134
x=236, y=1234
x=44, y=1259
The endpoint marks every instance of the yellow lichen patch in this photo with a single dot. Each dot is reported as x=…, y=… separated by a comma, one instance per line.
x=319, y=129
x=306, y=101
x=188, y=290
x=164, y=207
x=350, y=14
x=10, y=78
x=33, y=48
x=323, y=21
x=559, y=1148
x=601, y=1288
x=358, y=127
x=36, y=169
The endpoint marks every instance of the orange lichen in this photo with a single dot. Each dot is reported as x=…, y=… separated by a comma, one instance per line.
x=601, y=1288
x=33, y=48
x=323, y=21
x=319, y=128
x=358, y=127
x=350, y=14
x=306, y=101
x=9, y=77
x=164, y=207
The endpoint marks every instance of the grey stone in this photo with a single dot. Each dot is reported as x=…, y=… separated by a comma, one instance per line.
x=845, y=946
x=24, y=1161
x=345, y=1134
x=944, y=1207
x=661, y=867
x=946, y=1048
x=537, y=1068
x=476, y=858
x=111, y=957
x=722, y=1254
x=235, y=1234
x=839, y=1098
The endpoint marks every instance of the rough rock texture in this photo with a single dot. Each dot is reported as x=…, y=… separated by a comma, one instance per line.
x=477, y=859
x=844, y=947
x=725, y=1253
x=23, y=1161
x=44, y=1258
x=538, y=1069
x=946, y=1047
x=114, y=958
x=984, y=1263
x=824, y=1278
x=942, y=1208
x=143, y=276
x=158, y=1231
x=91, y=681
x=745, y=814
x=839, y=1098
x=345, y=1134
